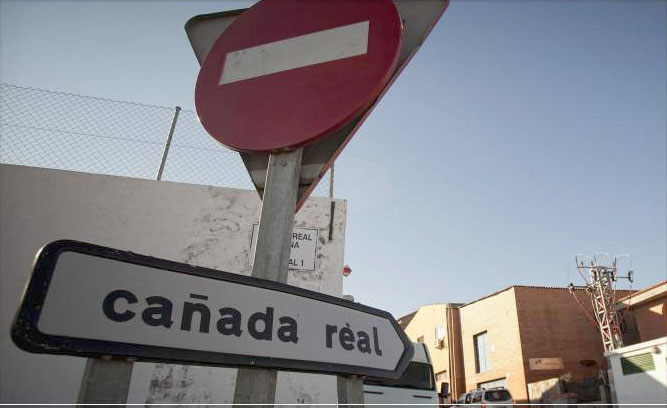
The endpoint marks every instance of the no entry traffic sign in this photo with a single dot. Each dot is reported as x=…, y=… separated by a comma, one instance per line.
x=418, y=19
x=286, y=73
x=88, y=300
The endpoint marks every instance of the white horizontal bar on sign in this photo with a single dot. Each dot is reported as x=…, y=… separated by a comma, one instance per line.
x=296, y=52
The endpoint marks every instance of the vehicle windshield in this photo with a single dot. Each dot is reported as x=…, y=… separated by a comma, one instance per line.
x=418, y=376
x=497, y=395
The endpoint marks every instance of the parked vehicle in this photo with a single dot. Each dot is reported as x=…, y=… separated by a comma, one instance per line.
x=497, y=397
x=461, y=401
x=416, y=386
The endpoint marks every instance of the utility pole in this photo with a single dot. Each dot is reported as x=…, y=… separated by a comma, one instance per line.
x=603, y=299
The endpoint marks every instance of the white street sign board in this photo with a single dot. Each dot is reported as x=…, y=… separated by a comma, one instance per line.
x=89, y=300
x=304, y=248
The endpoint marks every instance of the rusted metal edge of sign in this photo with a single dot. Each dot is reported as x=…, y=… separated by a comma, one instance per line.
x=27, y=335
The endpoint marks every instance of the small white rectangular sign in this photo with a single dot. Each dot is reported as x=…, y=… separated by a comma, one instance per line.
x=304, y=248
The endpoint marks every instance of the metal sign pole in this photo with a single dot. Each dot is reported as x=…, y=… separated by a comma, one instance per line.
x=272, y=258
x=271, y=262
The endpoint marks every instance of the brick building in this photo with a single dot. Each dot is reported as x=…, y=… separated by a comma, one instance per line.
x=514, y=337
x=644, y=314
x=438, y=326
x=526, y=334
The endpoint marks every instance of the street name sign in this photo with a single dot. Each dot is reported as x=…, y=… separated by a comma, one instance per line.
x=89, y=300
x=303, y=250
x=286, y=73
x=418, y=18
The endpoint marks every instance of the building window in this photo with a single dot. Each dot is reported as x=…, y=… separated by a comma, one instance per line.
x=441, y=376
x=420, y=339
x=482, y=353
x=440, y=336
x=637, y=364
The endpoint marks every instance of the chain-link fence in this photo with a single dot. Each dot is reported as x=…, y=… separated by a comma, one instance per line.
x=65, y=131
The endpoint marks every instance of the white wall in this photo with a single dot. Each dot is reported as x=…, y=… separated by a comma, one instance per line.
x=200, y=225
x=648, y=387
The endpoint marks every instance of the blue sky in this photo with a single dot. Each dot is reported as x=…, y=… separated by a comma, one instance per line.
x=521, y=134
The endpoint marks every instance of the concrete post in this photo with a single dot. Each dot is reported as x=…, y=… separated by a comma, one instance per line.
x=350, y=392
x=105, y=381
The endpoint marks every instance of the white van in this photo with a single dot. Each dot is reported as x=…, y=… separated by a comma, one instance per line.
x=416, y=386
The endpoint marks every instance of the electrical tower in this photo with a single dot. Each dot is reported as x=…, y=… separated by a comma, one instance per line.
x=602, y=292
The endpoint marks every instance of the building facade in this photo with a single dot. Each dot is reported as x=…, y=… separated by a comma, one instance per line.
x=438, y=327
x=524, y=334
x=638, y=369
x=492, y=343
x=639, y=372
x=200, y=225
x=516, y=337
x=644, y=314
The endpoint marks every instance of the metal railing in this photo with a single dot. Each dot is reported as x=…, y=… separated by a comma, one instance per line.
x=59, y=130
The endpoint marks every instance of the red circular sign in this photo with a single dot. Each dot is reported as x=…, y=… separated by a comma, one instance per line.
x=286, y=73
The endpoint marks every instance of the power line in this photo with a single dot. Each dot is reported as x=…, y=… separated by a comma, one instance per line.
x=602, y=293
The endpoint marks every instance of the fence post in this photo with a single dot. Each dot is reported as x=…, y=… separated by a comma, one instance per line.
x=166, y=146
x=331, y=180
